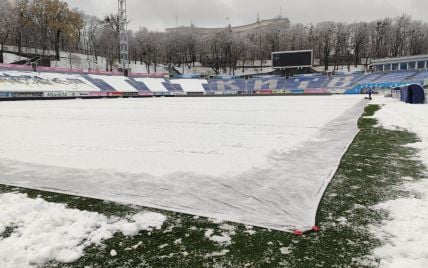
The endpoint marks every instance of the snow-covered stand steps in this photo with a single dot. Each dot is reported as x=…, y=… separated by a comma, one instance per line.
x=24, y=84
x=21, y=84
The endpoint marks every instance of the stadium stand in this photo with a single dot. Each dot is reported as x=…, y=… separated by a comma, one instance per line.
x=99, y=83
x=317, y=82
x=343, y=81
x=115, y=83
x=419, y=77
x=395, y=76
x=174, y=89
x=15, y=81
x=22, y=82
x=227, y=86
x=293, y=83
x=207, y=88
x=143, y=90
x=369, y=78
x=265, y=85
x=158, y=86
x=189, y=86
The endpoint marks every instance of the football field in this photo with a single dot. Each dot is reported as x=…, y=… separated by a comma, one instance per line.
x=120, y=191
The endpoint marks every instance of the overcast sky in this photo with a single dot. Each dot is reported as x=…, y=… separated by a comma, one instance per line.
x=160, y=14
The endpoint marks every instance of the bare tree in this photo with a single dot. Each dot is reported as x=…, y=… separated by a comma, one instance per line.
x=50, y=25
x=6, y=24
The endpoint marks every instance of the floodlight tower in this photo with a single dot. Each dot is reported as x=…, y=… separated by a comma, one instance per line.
x=123, y=33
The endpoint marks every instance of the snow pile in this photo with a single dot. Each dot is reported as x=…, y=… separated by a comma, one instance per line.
x=404, y=233
x=223, y=239
x=34, y=232
x=259, y=161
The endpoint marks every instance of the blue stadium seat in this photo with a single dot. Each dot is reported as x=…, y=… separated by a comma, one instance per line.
x=317, y=82
x=172, y=87
x=103, y=86
x=369, y=78
x=396, y=76
x=138, y=85
x=419, y=77
x=207, y=88
x=292, y=83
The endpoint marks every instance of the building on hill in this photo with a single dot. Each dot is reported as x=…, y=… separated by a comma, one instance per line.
x=419, y=62
x=237, y=29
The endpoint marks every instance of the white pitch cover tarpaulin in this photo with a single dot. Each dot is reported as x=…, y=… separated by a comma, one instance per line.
x=259, y=161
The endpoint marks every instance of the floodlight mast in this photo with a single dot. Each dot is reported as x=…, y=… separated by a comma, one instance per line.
x=123, y=33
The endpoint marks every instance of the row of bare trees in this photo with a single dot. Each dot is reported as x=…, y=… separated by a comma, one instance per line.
x=45, y=24
x=50, y=25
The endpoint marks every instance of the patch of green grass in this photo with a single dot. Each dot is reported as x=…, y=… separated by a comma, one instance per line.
x=375, y=163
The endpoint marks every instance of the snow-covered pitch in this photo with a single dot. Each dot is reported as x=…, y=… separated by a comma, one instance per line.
x=259, y=161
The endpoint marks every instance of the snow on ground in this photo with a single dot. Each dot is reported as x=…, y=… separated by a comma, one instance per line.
x=76, y=60
x=9, y=58
x=404, y=234
x=259, y=161
x=34, y=232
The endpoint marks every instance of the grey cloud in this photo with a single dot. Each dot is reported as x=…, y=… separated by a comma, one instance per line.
x=160, y=14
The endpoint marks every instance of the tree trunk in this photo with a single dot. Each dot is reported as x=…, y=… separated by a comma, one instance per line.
x=71, y=65
x=357, y=56
x=19, y=41
x=57, y=39
x=326, y=63
x=1, y=54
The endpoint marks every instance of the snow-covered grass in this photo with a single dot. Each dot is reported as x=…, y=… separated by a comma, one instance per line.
x=403, y=233
x=34, y=232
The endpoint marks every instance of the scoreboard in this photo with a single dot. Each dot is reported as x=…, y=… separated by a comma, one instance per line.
x=293, y=59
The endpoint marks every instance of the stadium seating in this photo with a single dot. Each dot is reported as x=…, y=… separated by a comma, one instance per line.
x=207, y=88
x=102, y=85
x=15, y=81
x=227, y=86
x=306, y=82
x=293, y=83
x=396, y=76
x=143, y=90
x=265, y=84
x=189, y=86
x=369, y=78
x=99, y=83
x=343, y=81
x=116, y=83
x=317, y=82
x=173, y=88
x=419, y=77
x=158, y=86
